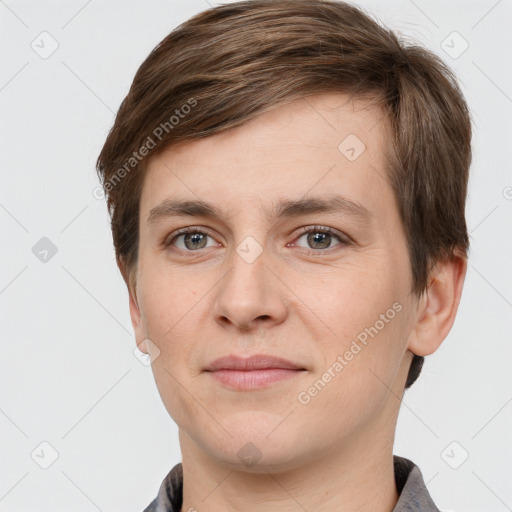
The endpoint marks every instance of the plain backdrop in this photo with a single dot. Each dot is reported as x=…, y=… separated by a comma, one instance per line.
x=75, y=398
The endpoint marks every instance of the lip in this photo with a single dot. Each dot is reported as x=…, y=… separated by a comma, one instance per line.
x=255, y=362
x=255, y=372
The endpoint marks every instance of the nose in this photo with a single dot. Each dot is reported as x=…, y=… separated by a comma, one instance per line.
x=250, y=295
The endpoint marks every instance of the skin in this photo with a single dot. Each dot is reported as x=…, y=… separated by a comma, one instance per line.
x=335, y=452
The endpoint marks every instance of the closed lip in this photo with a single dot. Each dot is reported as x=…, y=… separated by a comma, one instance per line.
x=256, y=362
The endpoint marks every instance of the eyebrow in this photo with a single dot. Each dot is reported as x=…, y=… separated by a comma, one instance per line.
x=285, y=208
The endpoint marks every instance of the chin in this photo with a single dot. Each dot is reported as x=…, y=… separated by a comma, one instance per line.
x=259, y=447
x=263, y=459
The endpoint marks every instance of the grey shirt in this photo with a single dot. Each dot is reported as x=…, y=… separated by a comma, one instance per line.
x=414, y=496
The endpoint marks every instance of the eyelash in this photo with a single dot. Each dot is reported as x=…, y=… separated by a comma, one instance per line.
x=343, y=239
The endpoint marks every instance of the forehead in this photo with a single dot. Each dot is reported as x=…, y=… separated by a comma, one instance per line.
x=314, y=146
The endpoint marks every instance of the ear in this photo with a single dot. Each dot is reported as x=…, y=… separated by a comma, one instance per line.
x=135, y=313
x=438, y=305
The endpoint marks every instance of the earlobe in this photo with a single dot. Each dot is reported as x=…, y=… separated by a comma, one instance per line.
x=437, y=306
x=135, y=313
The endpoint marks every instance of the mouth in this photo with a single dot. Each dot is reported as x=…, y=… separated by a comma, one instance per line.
x=251, y=373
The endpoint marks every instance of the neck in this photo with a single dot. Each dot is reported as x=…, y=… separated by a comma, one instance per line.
x=358, y=476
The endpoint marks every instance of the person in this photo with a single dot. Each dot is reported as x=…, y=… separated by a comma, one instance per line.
x=287, y=182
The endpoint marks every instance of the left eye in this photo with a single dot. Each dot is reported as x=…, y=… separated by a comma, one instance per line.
x=321, y=238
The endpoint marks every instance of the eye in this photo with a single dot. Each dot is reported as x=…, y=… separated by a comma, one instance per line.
x=319, y=237
x=190, y=240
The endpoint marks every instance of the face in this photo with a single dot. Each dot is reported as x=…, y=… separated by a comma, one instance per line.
x=301, y=255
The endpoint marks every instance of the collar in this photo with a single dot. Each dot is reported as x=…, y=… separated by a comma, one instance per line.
x=414, y=496
x=413, y=493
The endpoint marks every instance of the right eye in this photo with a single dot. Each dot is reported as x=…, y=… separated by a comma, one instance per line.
x=190, y=240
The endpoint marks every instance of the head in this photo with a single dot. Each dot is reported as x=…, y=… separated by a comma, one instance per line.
x=262, y=108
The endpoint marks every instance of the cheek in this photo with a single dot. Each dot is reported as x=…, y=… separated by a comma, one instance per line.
x=353, y=385
x=365, y=339
x=166, y=300
x=349, y=299
x=170, y=321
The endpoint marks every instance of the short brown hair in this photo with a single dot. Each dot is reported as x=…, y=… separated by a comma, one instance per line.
x=229, y=63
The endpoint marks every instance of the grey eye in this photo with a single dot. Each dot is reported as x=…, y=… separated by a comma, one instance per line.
x=192, y=241
x=319, y=239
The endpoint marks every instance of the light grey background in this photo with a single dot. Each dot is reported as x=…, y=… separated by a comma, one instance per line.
x=68, y=373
